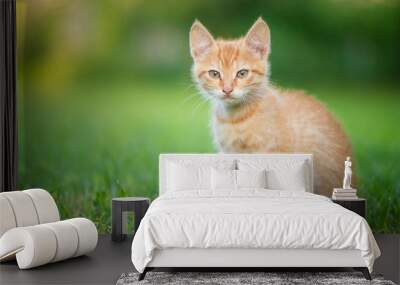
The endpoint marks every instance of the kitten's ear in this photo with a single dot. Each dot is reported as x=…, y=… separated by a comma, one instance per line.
x=201, y=41
x=258, y=38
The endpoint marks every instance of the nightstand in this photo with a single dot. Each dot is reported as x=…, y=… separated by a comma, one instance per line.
x=357, y=205
x=120, y=207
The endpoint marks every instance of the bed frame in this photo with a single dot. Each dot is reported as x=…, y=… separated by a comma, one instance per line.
x=250, y=259
x=237, y=259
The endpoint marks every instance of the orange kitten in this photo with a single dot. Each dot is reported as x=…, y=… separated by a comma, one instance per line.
x=251, y=116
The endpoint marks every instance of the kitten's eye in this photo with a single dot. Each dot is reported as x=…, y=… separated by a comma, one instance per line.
x=242, y=73
x=214, y=74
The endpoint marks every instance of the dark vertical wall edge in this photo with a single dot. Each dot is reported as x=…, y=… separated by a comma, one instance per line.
x=8, y=111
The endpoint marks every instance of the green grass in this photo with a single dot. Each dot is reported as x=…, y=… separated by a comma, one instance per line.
x=95, y=142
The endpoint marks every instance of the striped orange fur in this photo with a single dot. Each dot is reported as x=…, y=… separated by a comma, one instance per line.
x=252, y=116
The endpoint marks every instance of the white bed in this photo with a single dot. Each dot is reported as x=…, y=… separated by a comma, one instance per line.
x=249, y=227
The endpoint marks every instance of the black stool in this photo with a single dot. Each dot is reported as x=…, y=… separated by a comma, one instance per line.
x=137, y=205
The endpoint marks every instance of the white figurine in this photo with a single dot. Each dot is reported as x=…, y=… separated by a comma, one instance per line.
x=347, y=174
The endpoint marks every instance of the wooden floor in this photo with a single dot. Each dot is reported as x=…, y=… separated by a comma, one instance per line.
x=110, y=260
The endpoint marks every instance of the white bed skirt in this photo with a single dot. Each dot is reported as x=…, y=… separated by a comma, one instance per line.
x=192, y=257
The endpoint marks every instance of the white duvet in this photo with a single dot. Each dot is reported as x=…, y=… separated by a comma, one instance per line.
x=250, y=219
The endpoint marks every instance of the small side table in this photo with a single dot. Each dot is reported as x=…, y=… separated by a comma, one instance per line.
x=357, y=205
x=137, y=205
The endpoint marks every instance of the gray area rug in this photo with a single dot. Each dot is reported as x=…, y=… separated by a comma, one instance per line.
x=228, y=278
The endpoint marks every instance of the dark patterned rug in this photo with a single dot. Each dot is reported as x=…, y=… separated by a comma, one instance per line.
x=228, y=278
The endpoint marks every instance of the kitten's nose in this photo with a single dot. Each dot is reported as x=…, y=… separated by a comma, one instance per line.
x=227, y=90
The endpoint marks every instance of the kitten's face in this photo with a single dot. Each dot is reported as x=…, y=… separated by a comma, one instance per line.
x=230, y=71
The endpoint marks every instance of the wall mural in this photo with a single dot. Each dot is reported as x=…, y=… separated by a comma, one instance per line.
x=105, y=86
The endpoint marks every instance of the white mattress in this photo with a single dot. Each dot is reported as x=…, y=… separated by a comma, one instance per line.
x=252, y=219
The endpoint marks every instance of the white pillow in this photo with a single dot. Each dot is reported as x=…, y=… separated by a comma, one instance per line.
x=226, y=179
x=251, y=178
x=187, y=177
x=282, y=174
x=223, y=179
x=292, y=179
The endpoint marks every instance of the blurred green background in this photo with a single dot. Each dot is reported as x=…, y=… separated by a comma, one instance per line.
x=104, y=87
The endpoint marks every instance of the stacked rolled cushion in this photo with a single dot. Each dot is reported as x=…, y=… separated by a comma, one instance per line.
x=31, y=230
